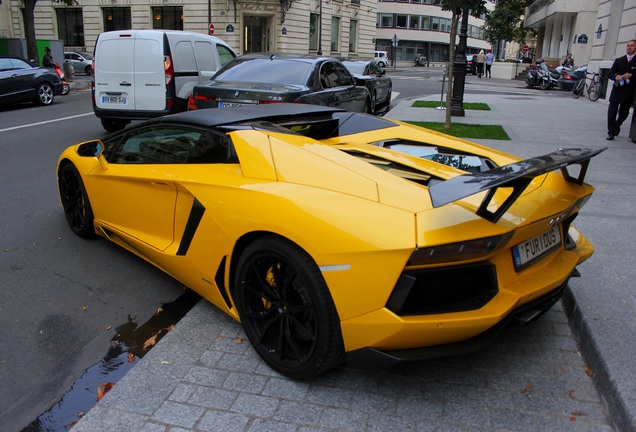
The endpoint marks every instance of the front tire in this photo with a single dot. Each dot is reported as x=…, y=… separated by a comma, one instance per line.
x=75, y=202
x=577, y=91
x=594, y=91
x=65, y=89
x=45, y=94
x=286, y=309
x=545, y=85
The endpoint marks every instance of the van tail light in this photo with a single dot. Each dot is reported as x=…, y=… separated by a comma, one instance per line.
x=168, y=68
x=191, y=104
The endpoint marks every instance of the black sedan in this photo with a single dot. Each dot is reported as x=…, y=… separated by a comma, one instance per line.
x=471, y=64
x=266, y=78
x=373, y=77
x=22, y=82
x=569, y=77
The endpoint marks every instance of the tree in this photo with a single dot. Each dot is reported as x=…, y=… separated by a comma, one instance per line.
x=29, y=26
x=475, y=8
x=505, y=23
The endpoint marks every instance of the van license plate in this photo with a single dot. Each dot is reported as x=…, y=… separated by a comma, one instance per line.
x=114, y=99
x=536, y=248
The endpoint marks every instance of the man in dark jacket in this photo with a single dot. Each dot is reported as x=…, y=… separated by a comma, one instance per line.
x=622, y=95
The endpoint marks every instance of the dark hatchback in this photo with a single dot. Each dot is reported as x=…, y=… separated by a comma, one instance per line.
x=267, y=78
x=22, y=82
x=374, y=78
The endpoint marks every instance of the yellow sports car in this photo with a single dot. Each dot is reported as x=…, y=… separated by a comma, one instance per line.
x=334, y=236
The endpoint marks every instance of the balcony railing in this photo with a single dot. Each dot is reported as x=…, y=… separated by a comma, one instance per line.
x=539, y=4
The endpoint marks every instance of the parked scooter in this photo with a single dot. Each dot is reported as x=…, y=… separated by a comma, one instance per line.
x=65, y=87
x=421, y=61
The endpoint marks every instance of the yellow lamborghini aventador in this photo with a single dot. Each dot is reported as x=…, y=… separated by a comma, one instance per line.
x=334, y=236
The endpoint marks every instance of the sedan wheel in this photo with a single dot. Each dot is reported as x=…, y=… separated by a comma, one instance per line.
x=77, y=207
x=286, y=309
x=88, y=71
x=45, y=94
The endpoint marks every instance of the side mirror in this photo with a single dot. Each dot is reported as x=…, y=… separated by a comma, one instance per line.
x=91, y=148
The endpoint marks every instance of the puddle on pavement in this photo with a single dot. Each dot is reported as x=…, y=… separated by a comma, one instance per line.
x=127, y=348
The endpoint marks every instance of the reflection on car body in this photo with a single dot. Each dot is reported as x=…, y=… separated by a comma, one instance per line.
x=374, y=78
x=333, y=235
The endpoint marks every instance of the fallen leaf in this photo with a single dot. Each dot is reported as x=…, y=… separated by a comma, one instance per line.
x=527, y=389
x=109, y=327
x=589, y=372
x=159, y=310
x=102, y=389
x=564, y=370
x=170, y=328
x=579, y=413
x=220, y=338
x=572, y=418
x=84, y=308
x=238, y=340
x=131, y=357
x=571, y=394
x=152, y=340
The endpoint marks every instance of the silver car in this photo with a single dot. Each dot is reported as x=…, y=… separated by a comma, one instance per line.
x=81, y=62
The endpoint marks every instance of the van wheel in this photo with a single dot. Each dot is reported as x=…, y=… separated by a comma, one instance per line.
x=112, y=125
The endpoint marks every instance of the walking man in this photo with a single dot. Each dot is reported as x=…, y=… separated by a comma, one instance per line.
x=490, y=58
x=622, y=95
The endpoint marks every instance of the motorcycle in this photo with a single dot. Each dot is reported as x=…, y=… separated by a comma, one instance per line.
x=541, y=76
x=421, y=61
x=65, y=87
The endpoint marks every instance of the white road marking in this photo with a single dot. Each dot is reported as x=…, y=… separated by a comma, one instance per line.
x=46, y=122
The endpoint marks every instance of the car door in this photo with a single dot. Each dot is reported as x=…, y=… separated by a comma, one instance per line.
x=381, y=82
x=137, y=192
x=350, y=97
x=16, y=80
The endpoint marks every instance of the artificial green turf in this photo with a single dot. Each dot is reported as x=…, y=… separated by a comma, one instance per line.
x=465, y=130
x=467, y=105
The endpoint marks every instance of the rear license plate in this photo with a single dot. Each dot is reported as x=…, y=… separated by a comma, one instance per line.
x=114, y=99
x=536, y=248
x=232, y=104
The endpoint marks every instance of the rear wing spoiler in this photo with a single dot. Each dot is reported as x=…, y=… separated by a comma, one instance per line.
x=516, y=175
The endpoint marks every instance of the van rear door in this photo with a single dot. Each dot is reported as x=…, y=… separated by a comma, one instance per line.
x=129, y=72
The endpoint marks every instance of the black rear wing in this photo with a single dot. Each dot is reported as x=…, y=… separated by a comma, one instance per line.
x=516, y=175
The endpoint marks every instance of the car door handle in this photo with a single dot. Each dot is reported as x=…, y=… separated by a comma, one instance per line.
x=125, y=84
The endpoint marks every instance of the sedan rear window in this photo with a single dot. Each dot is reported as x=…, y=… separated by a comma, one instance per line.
x=267, y=71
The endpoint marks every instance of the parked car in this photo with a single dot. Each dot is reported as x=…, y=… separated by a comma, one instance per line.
x=142, y=74
x=374, y=78
x=334, y=236
x=20, y=81
x=569, y=77
x=471, y=64
x=81, y=62
x=265, y=78
x=381, y=58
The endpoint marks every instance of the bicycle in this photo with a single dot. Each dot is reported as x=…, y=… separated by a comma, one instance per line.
x=593, y=88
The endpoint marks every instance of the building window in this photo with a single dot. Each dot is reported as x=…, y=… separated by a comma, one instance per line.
x=353, y=36
x=335, y=33
x=426, y=23
x=116, y=18
x=435, y=23
x=313, y=31
x=70, y=26
x=400, y=21
x=414, y=22
x=386, y=20
x=167, y=17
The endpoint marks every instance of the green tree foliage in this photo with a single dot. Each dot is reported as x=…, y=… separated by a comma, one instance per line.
x=505, y=23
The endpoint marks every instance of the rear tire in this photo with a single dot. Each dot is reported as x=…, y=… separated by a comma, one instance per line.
x=286, y=309
x=594, y=91
x=113, y=125
x=45, y=94
x=577, y=90
x=88, y=71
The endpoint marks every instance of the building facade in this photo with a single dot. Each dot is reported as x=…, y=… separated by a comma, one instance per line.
x=332, y=27
x=421, y=27
x=594, y=31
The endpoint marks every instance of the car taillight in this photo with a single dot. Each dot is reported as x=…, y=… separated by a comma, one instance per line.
x=169, y=70
x=566, y=76
x=191, y=104
x=462, y=251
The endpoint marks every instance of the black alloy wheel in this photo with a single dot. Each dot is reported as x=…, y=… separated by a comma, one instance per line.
x=286, y=309
x=77, y=207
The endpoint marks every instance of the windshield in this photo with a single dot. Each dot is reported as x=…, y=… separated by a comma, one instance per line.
x=355, y=68
x=266, y=71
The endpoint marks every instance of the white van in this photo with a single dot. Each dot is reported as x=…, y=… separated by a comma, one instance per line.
x=381, y=58
x=142, y=74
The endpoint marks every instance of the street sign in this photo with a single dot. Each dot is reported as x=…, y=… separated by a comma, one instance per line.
x=395, y=40
x=211, y=29
x=526, y=48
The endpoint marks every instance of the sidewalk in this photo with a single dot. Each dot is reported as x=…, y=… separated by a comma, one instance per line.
x=204, y=375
